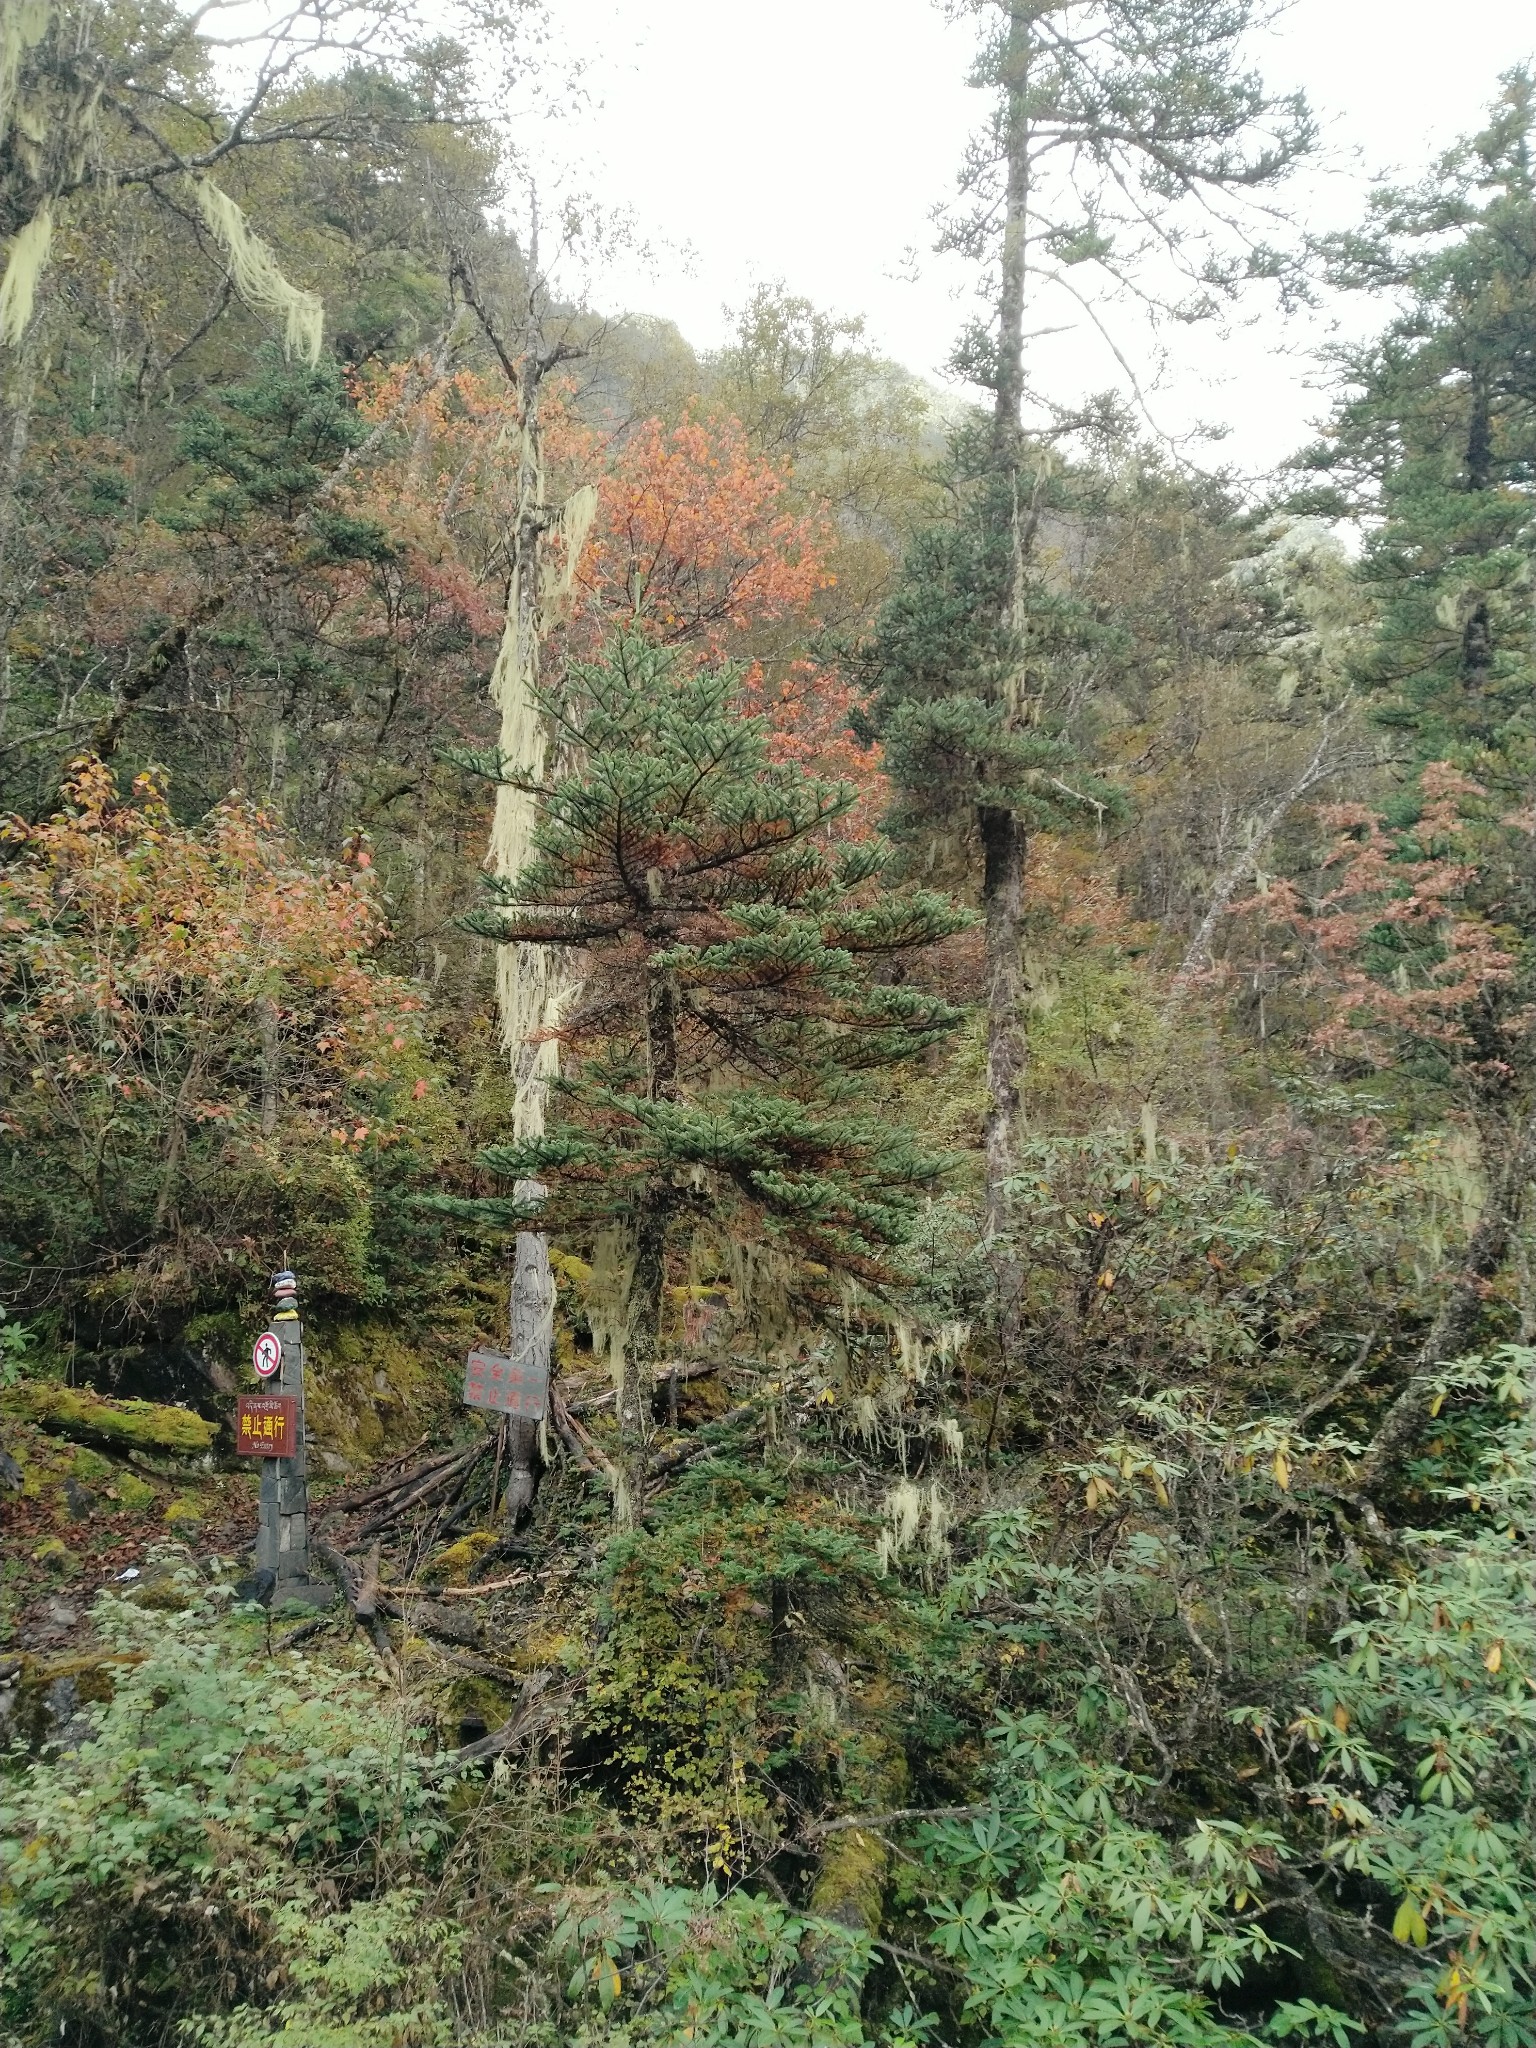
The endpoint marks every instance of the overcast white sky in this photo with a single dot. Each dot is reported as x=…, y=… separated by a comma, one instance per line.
x=809, y=141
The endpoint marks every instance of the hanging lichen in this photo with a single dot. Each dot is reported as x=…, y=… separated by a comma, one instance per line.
x=24, y=267
x=763, y=1282
x=914, y=1514
x=532, y=988
x=254, y=273
x=23, y=25
x=49, y=113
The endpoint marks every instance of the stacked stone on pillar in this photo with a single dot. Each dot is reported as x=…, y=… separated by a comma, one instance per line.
x=282, y=1535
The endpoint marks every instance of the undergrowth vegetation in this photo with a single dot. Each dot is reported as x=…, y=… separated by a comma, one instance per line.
x=968, y=990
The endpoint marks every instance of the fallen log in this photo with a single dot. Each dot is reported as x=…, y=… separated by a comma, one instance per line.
x=530, y=1710
x=349, y=1503
x=116, y=1426
x=445, y=1481
x=364, y=1610
x=366, y=1605
x=670, y=1375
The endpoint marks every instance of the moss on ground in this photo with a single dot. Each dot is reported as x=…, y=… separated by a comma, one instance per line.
x=76, y=1412
x=371, y=1390
x=451, y=1567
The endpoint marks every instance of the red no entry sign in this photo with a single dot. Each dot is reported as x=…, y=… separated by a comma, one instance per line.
x=268, y=1355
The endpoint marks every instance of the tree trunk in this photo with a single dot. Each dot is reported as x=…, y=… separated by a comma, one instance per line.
x=851, y=1880
x=176, y=1140
x=1004, y=846
x=522, y=1453
x=529, y=988
x=1003, y=836
x=1480, y=438
x=1476, y=661
x=642, y=1348
x=271, y=1065
x=12, y=585
x=532, y=1315
x=1008, y=372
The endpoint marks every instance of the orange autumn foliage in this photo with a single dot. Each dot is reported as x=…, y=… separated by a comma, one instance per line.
x=196, y=1026
x=808, y=708
x=694, y=541
x=1393, y=948
x=121, y=928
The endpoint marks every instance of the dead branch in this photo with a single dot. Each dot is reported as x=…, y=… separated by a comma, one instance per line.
x=677, y=1455
x=1326, y=761
x=445, y=1482
x=457, y=1592
x=349, y=1503
x=579, y=1442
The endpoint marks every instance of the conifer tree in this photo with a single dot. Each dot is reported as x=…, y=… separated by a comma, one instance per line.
x=716, y=1073
x=1436, y=444
x=1123, y=136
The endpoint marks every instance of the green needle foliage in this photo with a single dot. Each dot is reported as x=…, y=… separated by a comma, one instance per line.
x=1437, y=441
x=743, y=984
x=963, y=700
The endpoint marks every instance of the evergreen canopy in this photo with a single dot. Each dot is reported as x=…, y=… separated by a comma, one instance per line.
x=733, y=1004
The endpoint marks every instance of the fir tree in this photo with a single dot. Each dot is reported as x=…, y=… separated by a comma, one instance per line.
x=1436, y=444
x=1120, y=137
x=717, y=1067
x=966, y=665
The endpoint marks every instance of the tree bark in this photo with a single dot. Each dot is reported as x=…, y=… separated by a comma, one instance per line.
x=642, y=1346
x=176, y=1139
x=1008, y=372
x=531, y=1312
x=850, y=1883
x=168, y=654
x=271, y=1067
x=1003, y=836
x=1004, y=847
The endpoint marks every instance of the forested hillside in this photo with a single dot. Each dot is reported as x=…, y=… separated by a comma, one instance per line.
x=964, y=979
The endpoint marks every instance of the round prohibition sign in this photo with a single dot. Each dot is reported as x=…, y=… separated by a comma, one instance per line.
x=268, y=1355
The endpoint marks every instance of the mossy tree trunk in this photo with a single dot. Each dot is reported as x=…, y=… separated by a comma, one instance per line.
x=850, y=1884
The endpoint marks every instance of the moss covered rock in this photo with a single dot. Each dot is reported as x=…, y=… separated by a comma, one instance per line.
x=77, y=1413
x=451, y=1567
x=370, y=1390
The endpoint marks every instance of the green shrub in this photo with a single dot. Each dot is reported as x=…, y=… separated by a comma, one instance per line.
x=231, y=1836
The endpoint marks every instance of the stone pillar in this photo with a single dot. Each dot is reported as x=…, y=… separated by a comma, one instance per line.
x=292, y=1473
x=282, y=1536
